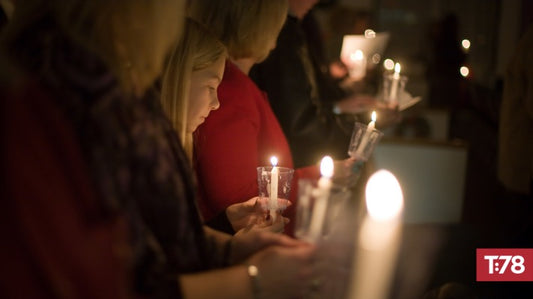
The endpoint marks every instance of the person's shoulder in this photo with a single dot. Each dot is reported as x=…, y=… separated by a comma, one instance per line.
x=236, y=86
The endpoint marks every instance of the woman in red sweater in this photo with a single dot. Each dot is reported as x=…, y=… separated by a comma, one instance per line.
x=244, y=133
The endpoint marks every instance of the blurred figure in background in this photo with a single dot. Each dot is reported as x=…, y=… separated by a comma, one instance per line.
x=7, y=8
x=515, y=163
x=303, y=95
x=446, y=85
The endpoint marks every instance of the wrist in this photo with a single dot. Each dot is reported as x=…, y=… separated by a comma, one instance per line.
x=226, y=254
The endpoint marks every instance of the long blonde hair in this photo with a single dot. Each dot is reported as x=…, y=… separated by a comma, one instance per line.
x=133, y=37
x=197, y=49
x=246, y=27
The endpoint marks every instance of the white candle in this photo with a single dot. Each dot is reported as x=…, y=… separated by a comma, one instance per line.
x=357, y=65
x=321, y=198
x=394, y=84
x=379, y=238
x=366, y=135
x=273, y=199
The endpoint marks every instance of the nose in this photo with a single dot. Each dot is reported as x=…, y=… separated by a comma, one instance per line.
x=215, y=104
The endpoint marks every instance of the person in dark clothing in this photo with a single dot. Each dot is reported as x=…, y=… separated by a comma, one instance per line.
x=305, y=98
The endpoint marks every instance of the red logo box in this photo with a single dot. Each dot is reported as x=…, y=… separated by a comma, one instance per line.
x=504, y=264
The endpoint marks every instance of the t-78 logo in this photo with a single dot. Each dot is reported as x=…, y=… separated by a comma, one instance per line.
x=504, y=264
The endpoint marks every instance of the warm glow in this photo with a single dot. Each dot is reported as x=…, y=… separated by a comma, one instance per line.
x=376, y=58
x=369, y=33
x=464, y=71
x=466, y=44
x=384, y=199
x=374, y=116
x=357, y=55
x=274, y=160
x=326, y=167
x=397, y=68
x=388, y=64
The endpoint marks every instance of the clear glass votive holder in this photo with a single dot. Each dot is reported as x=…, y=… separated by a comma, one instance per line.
x=264, y=182
x=363, y=142
x=328, y=212
x=392, y=88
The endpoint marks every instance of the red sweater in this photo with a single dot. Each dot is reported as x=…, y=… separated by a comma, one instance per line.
x=57, y=241
x=234, y=140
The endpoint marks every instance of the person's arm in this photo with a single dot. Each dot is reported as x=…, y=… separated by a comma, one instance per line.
x=246, y=242
x=275, y=272
x=228, y=283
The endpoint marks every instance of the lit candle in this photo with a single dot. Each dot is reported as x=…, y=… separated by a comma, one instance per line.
x=366, y=135
x=321, y=198
x=379, y=238
x=273, y=199
x=357, y=65
x=388, y=64
x=394, y=83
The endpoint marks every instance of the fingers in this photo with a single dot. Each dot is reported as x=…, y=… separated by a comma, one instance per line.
x=282, y=240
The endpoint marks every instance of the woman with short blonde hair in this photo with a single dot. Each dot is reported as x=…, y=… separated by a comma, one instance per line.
x=247, y=28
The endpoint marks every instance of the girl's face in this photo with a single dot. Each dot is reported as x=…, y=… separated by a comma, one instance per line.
x=203, y=93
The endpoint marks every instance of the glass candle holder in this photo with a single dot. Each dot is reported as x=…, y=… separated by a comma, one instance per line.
x=392, y=87
x=307, y=205
x=264, y=181
x=363, y=141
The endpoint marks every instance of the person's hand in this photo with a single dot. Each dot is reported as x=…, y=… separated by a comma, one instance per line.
x=338, y=70
x=287, y=272
x=250, y=240
x=246, y=214
x=357, y=104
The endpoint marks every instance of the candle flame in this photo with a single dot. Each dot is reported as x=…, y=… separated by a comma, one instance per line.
x=397, y=68
x=384, y=198
x=369, y=33
x=357, y=55
x=388, y=64
x=274, y=160
x=374, y=116
x=326, y=167
x=465, y=43
x=464, y=71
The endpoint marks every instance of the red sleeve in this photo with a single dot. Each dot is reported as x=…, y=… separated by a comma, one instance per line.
x=227, y=151
x=60, y=244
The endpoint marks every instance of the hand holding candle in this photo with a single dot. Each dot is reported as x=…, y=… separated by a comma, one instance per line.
x=321, y=200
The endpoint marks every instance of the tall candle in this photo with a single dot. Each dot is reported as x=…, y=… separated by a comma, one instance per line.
x=321, y=198
x=366, y=135
x=273, y=199
x=394, y=84
x=379, y=238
